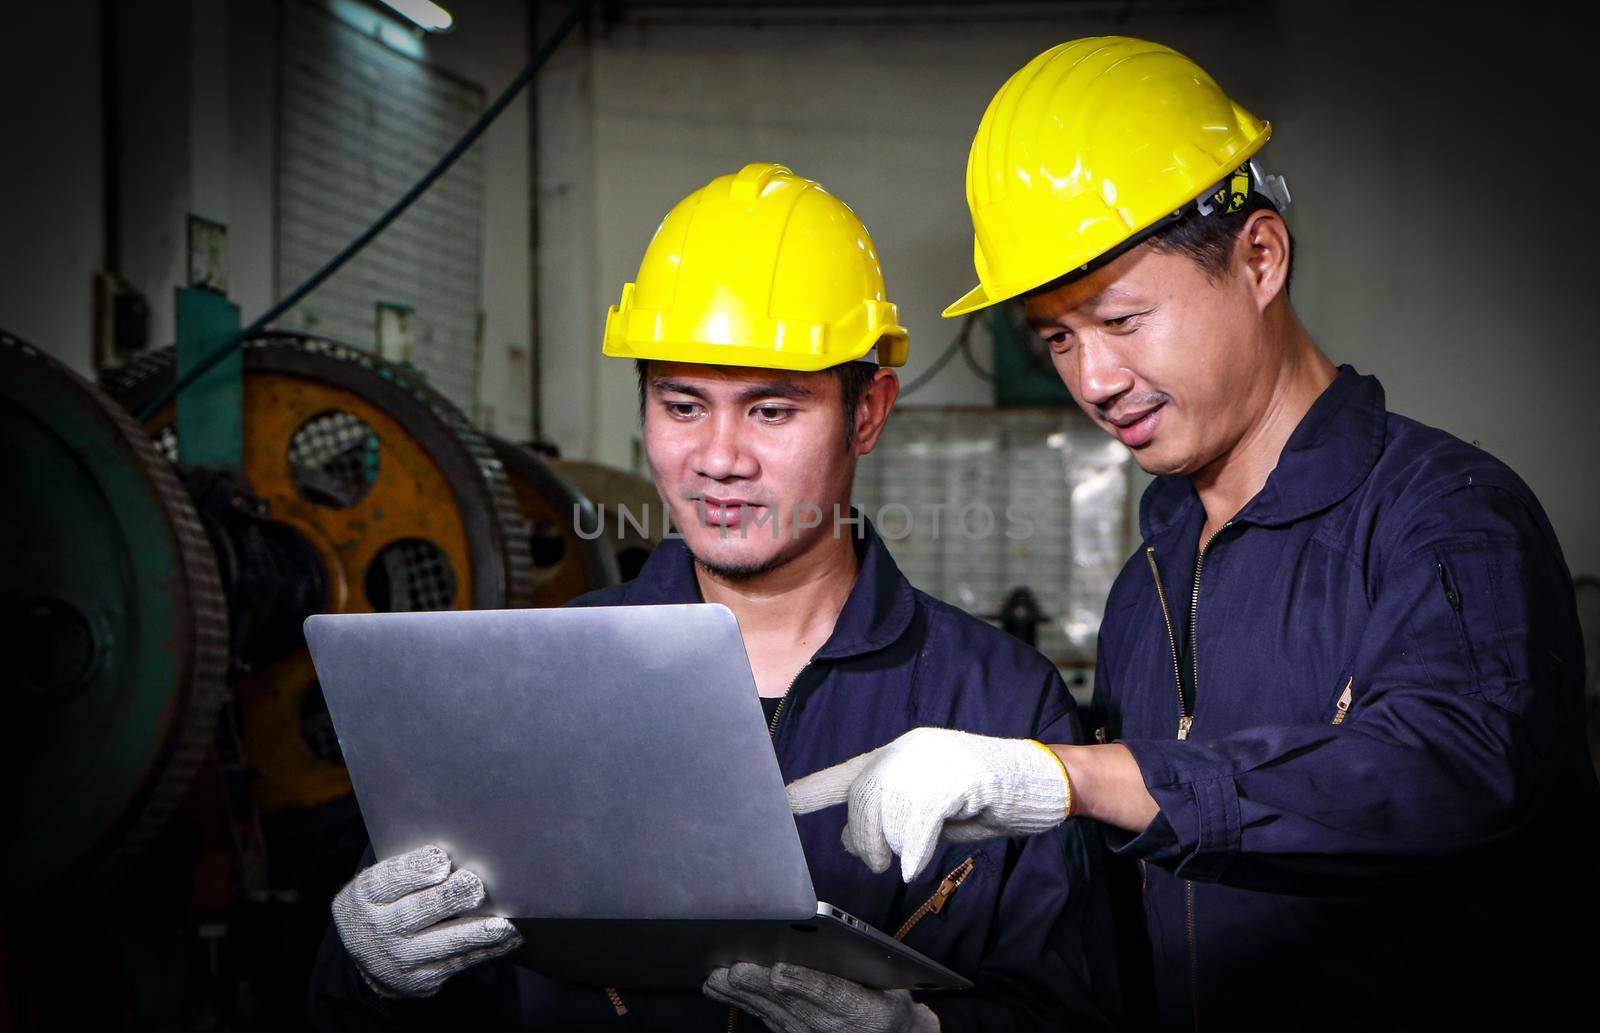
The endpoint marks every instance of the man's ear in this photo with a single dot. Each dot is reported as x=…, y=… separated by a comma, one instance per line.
x=1263, y=248
x=872, y=412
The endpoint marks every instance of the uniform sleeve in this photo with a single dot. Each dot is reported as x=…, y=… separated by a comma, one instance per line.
x=1049, y=963
x=1460, y=691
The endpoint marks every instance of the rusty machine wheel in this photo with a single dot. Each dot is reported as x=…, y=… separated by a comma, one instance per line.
x=115, y=632
x=630, y=514
x=153, y=595
x=403, y=505
x=566, y=564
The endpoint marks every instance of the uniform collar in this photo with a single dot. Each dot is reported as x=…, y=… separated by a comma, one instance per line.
x=876, y=613
x=1329, y=454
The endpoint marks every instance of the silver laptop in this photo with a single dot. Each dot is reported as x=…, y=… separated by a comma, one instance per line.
x=607, y=772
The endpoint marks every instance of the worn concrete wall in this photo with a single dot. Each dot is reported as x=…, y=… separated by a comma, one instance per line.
x=1433, y=193
x=1437, y=208
x=489, y=45
x=195, y=94
x=51, y=220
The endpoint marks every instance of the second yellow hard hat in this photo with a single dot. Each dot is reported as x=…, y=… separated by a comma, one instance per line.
x=759, y=268
x=1088, y=145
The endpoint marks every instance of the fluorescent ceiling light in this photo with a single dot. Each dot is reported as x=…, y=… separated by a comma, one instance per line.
x=428, y=15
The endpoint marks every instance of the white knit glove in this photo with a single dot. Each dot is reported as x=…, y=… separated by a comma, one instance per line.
x=393, y=919
x=935, y=782
x=792, y=999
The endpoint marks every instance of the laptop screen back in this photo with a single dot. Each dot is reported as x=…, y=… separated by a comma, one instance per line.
x=606, y=762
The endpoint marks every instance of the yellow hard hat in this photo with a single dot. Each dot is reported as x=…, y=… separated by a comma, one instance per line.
x=760, y=268
x=1088, y=148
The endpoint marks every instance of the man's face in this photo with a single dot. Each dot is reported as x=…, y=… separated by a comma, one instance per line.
x=1173, y=364
x=749, y=462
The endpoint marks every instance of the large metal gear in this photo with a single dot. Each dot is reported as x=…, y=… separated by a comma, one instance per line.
x=408, y=507
x=628, y=511
x=115, y=632
x=566, y=564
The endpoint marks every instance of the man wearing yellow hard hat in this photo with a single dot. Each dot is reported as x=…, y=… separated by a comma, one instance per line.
x=765, y=348
x=1339, y=685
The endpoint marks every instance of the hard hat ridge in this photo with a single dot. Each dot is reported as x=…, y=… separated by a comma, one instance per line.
x=1094, y=143
x=758, y=268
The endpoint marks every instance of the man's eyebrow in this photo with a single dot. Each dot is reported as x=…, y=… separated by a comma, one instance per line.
x=1035, y=322
x=770, y=389
x=677, y=387
x=1111, y=295
x=776, y=389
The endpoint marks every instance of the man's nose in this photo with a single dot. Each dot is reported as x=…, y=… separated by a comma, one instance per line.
x=723, y=453
x=1102, y=376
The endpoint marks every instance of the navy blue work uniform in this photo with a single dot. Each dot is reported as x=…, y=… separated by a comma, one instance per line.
x=1027, y=920
x=1360, y=710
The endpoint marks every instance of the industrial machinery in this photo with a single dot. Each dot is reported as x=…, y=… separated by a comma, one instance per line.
x=362, y=490
x=568, y=559
x=152, y=617
x=115, y=631
x=628, y=514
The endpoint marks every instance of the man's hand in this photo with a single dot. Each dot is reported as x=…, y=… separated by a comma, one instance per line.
x=935, y=782
x=792, y=999
x=394, y=921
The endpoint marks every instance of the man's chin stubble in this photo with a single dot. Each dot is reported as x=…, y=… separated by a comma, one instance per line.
x=739, y=571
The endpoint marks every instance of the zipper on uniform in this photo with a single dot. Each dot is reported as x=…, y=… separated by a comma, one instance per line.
x=1194, y=687
x=783, y=701
x=777, y=711
x=1451, y=596
x=1184, y=720
x=1342, y=708
x=1194, y=616
x=935, y=904
x=1194, y=956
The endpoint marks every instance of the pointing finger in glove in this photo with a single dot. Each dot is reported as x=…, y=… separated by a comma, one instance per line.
x=828, y=787
x=934, y=783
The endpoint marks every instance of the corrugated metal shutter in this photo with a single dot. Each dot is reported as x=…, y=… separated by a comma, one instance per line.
x=973, y=503
x=358, y=123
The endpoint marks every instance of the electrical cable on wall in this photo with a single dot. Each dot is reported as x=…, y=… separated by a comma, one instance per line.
x=367, y=236
x=960, y=344
x=972, y=363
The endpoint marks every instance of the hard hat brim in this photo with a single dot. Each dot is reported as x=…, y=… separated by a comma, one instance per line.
x=975, y=299
x=981, y=297
x=888, y=348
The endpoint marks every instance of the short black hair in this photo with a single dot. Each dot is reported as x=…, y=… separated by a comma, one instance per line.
x=1210, y=239
x=854, y=379
x=1207, y=239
